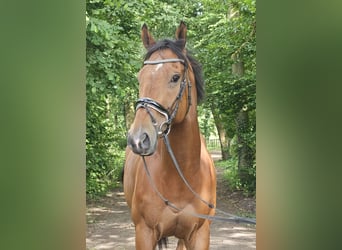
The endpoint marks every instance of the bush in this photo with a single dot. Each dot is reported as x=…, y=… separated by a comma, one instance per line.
x=104, y=144
x=232, y=176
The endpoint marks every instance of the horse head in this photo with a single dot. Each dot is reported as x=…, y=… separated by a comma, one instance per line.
x=164, y=90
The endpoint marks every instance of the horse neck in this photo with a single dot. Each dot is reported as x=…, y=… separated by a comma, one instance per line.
x=185, y=140
x=185, y=143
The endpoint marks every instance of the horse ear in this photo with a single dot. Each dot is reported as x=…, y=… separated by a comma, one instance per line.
x=146, y=37
x=181, y=33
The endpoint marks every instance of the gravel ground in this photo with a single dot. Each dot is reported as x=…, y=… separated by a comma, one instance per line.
x=109, y=225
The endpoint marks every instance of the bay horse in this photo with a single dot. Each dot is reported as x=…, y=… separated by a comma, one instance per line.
x=160, y=202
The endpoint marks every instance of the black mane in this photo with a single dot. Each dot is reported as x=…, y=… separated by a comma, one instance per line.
x=176, y=47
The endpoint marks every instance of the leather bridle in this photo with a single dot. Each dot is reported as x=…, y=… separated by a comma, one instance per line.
x=148, y=103
x=163, y=130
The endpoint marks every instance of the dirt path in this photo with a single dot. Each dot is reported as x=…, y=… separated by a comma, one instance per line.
x=110, y=227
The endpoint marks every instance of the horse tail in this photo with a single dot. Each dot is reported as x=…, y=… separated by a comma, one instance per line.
x=161, y=242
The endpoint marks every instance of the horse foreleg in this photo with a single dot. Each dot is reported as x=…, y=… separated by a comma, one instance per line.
x=144, y=237
x=201, y=239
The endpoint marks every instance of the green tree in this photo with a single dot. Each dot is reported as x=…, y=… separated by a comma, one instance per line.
x=221, y=34
x=113, y=57
x=227, y=49
x=111, y=61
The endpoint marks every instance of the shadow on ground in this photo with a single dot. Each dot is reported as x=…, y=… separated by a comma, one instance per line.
x=109, y=225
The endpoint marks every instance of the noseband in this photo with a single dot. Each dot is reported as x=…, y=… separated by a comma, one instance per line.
x=148, y=103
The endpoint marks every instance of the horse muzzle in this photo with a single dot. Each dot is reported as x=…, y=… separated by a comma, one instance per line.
x=142, y=143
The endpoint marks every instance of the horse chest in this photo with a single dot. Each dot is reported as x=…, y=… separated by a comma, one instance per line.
x=169, y=223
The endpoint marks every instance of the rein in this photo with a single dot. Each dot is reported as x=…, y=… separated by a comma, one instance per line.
x=163, y=131
x=232, y=218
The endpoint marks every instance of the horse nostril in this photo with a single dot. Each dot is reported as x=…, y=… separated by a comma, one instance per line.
x=140, y=143
x=145, y=141
x=130, y=142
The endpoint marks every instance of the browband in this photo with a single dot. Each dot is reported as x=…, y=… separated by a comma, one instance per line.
x=171, y=60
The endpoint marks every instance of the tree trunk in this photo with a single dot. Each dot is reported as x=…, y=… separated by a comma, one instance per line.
x=245, y=158
x=238, y=68
x=224, y=141
x=223, y=136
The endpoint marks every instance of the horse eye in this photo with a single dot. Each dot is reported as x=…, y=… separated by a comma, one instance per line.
x=175, y=78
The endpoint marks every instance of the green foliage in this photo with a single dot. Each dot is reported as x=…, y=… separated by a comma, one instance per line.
x=206, y=122
x=112, y=62
x=223, y=37
x=113, y=57
x=228, y=37
x=217, y=37
x=231, y=174
x=103, y=143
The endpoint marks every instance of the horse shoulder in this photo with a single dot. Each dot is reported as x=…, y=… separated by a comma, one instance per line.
x=208, y=168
